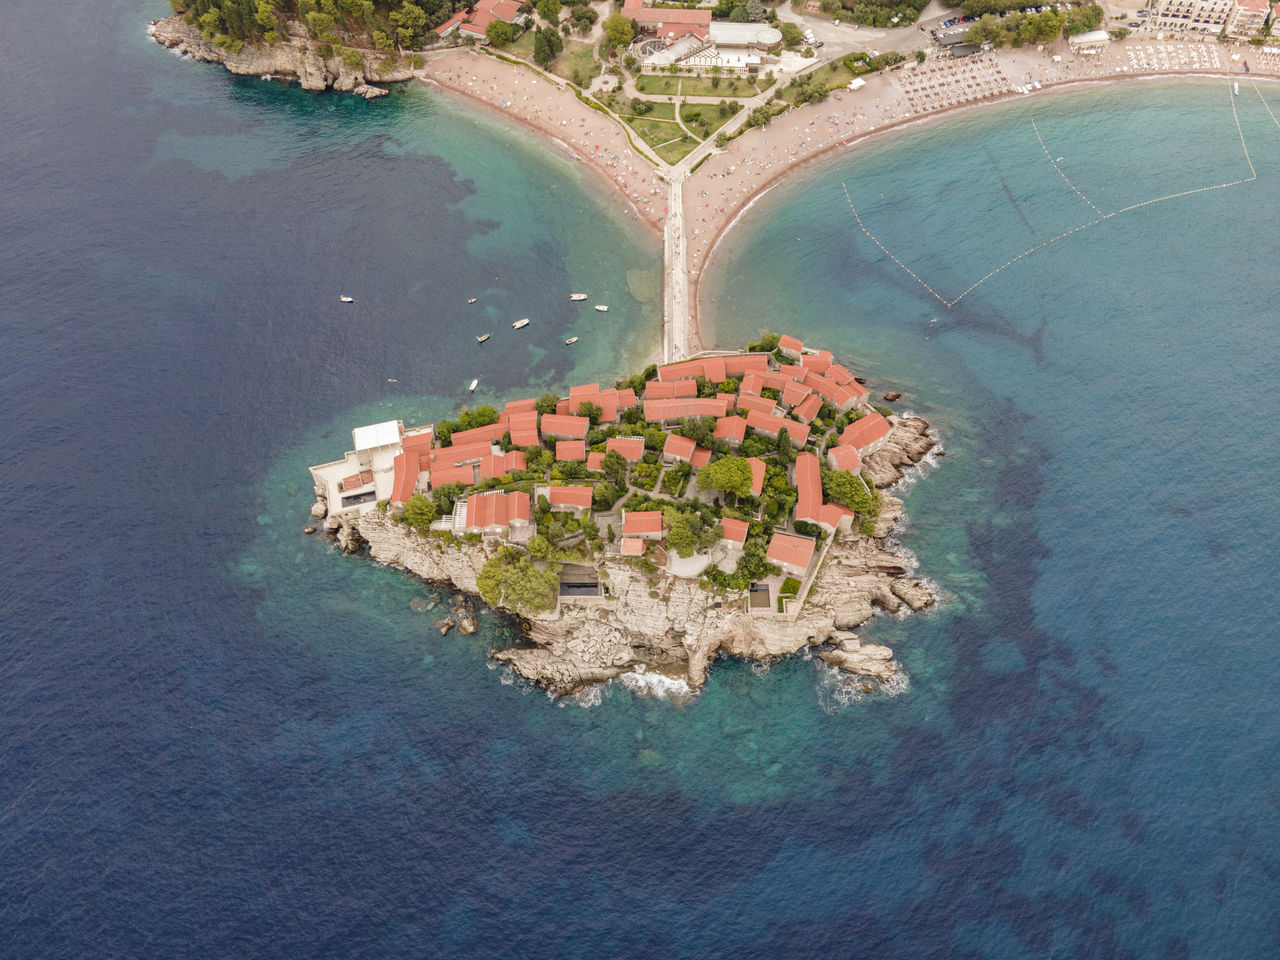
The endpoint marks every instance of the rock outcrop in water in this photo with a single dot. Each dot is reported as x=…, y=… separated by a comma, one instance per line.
x=656, y=622
x=295, y=57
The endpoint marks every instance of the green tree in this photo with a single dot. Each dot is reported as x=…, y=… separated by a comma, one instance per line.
x=265, y=15
x=546, y=403
x=841, y=486
x=786, y=452
x=410, y=22
x=420, y=512
x=618, y=31
x=512, y=580
x=604, y=497
x=591, y=411
x=540, y=547
x=728, y=474
x=614, y=467
x=684, y=531
x=542, y=54
x=500, y=33
x=549, y=10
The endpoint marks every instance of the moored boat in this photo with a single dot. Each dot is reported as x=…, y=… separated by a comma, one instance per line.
x=473, y=384
x=482, y=338
x=473, y=300
x=577, y=296
x=602, y=308
x=343, y=298
x=571, y=341
x=520, y=323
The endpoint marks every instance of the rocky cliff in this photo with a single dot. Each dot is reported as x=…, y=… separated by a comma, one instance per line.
x=295, y=57
x=657, y=622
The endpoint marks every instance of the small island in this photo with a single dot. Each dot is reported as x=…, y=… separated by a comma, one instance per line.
x=731, y=503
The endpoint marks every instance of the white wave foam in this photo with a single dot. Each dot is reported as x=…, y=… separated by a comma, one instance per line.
x=587, y=697
x=838, y=691
x=657, y=685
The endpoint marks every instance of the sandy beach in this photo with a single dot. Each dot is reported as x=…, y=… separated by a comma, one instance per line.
x=520, y=94
x=730, y=180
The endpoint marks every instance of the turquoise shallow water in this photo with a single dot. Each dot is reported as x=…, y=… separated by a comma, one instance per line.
x=221, y=738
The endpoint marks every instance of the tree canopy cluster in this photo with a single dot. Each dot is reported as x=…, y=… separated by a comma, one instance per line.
x=385, y=24
x=511, y=579
x=1020, y=28
x=875, y=13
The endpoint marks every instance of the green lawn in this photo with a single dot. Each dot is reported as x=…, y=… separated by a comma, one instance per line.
x=704, y=119
x=657, y=86
x=523, y=47
x=835, y=76
x=728, y=87
x=654, y=132
x=660, y=111
x=677, y=151
x=577, y=57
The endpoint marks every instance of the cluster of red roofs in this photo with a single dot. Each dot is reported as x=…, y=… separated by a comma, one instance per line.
x=813, y=379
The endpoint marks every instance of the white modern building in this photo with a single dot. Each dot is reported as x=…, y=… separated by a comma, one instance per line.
x=1207, y=17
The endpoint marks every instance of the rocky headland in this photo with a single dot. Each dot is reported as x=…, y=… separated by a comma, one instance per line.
x=657, y=622
x=296, y=57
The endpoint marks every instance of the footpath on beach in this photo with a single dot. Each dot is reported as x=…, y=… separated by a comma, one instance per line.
x=695, y=200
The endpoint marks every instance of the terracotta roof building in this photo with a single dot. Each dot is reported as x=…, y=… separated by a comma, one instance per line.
x=735, y=531
x=571, y=451
x=790, y=346
x=632, y=546
x=630, y=448
x=844, y=457
x=771, y=426
x=646, y=524
x=793, y=554
x=484, y=12
x=808, y=408
x=576, y=498
x=496, y=513
x=500, y=464
x=732, y=430
x=595, y=460
x=677, y=448
x=565, y=427
x=808, y=487
x=757, y=475
x=867, y=434
x=665, y=411
x=658, y=390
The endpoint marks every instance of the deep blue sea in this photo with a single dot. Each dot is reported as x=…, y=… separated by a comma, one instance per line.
x=219, y=738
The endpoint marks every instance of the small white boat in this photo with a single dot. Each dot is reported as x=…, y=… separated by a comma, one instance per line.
x=473, y=300
x=602, y=308
x=520, y=323
x=392, y=380
x=577, y=296
x=482, y=338
x=343, y=298
x=1237, y=86
x=473, y=384
x=571, y=341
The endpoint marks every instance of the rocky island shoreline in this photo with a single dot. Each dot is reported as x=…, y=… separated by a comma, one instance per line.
x=653, y=609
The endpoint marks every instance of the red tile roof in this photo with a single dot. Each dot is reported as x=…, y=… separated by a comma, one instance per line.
x=575, y=496
x=735, y=531
x=478, y=435
x=442, y=475
x=793, y=393
x=831, y=514
x=807, y=408
x=519, y=406
x=681, y=448
x=757, y=475
x=730, y=428
x=773, y=425
x=784, y=549
x=788, y=342
x=632, y=546
x=460, y=453
x=525, y=437
x=844, y=457
x=657, y=390
x=862, y=433
x=658, y=410
x=496, y=509
x=571, y=450
x=713, y=369
x=606, y=400
x=569, y=427
x=638, y=522
x=741, y=363
x=631, y=448
x=678, y=371
x=418, y=442
x=627, y=399
x=405, y=477
x=749, y=402
x=701, y=457
x=594, y=460
x=586, y=388
x=808, y=487
x=500, y=464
